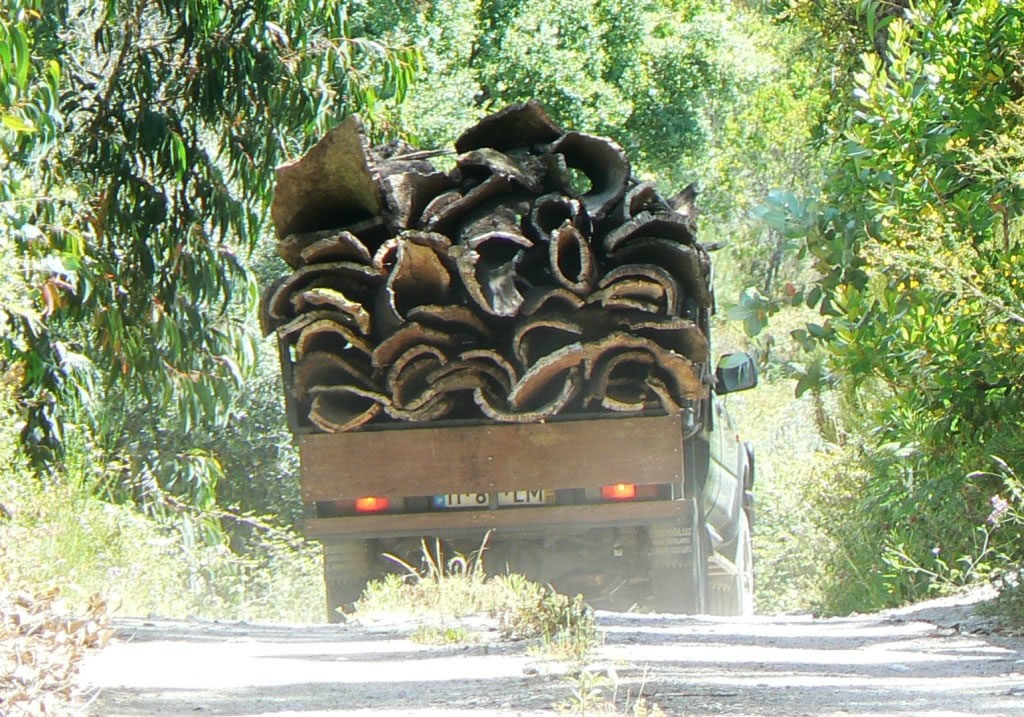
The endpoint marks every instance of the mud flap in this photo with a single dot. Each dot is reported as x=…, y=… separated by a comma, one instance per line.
x=678, y=563
x=346, y=571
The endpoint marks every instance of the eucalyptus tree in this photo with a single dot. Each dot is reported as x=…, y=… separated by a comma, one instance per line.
x=138, y=139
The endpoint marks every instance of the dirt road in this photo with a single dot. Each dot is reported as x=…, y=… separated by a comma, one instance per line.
x=933, y=659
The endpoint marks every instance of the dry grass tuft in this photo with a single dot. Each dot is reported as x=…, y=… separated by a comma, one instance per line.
x=447, y=588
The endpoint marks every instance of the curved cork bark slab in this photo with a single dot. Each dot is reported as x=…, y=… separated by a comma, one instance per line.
x=518, y=125
x=684, y=376
x=571, y=260
x=538, y=380
x=505, y=372
x=605, y=164
x=523, y=170
x=269, y=323
x=505, y=214
x=330, y=336
x=388, y=351
x=338, y=303
x=442, y=218
x=674, y=333
x=432, y=389
x=468, y=374
x=419, y=276
x=436, y=208
x=407, y=376
x=542, y=298
x=559, y=177
x=322, y=246
x=682, y=261
x=357, y=281
x=407, y=194
x=450, y=318
x=642, y=197
x=539, y=336
x=630, y=293
x=295, y=326
x=487, y=266
x=433, y=410
x=498, y=408
x=333, y=184
x=321, y=368
x=336, y=409
x=667, y=291
x=550, y=212
x=618, y=379
x=685, y=203
x=653, y=225
x=659, y=388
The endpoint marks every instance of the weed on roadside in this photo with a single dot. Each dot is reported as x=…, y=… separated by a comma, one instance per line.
x=1008, y=605
x=597, y=693
x=443, y=635
x=562, y=627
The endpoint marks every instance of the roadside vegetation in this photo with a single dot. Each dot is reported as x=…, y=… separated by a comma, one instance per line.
x=914, y=245
x=444, y=589
x=863, y=159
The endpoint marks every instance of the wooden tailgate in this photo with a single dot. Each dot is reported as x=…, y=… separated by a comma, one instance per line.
x=492, y=457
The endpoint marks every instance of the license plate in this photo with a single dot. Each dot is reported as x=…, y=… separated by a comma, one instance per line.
x=505, y=498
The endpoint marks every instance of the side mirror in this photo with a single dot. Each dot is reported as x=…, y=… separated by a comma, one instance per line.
x=735, y=372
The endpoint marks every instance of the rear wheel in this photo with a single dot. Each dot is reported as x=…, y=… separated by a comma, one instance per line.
x=679, y=566
x=346, y=571
x=733, y=594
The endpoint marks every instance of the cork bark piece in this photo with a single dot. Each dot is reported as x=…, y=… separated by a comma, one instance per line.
x=518, y=125
x=331, y=185
x=605, y=164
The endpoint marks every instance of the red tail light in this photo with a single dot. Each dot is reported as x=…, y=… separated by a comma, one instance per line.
x=619, y=491
x=372, y=504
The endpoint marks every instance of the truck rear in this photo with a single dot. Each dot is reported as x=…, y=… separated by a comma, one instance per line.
x=517, y=349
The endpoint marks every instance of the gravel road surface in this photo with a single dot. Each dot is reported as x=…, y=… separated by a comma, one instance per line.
x=936, y=658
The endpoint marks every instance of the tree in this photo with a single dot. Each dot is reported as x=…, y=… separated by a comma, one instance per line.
x=138, y=139
x=918, y=262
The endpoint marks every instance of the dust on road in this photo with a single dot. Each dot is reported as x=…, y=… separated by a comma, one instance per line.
x=933, y=659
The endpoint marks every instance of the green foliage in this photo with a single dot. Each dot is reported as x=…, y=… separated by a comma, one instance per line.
x=138, y=143
x=918, y=261
x=434, y=635
x=673, y=82
x=564, y=625
x=799, y=476
x=458, y=587
x=66, y=538
x=61, y=536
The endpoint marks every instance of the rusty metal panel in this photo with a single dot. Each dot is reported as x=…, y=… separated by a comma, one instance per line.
x=505, y=521
x=495, y=457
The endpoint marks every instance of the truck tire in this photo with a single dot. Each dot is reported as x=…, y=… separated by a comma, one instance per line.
x=346, y=571
x=679, y=566
x=733, y=595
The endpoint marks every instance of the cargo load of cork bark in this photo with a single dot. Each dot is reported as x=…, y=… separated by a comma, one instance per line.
x=537, y=277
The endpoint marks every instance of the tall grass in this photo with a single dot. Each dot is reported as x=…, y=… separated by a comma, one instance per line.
x=56, y=534
x=62, y=537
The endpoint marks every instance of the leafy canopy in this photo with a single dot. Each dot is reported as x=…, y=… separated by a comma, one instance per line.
x=138, y=140
x=917, y=247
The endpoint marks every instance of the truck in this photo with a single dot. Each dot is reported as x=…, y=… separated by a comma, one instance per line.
x=657, y=508
x=572, y=303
